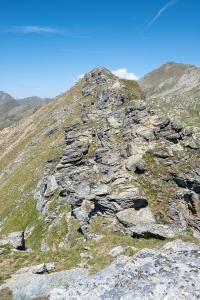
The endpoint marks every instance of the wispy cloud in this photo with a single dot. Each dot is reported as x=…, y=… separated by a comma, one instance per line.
x=30, y=29
x=123, y=73
x=25, y=86
x=88, y=51
x=80, y=76
x=160, y=11
x=85, y=51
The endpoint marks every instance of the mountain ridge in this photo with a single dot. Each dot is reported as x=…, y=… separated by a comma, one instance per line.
x=173, y=90
x=93, y=169
x=30, y=100
x=11, y=110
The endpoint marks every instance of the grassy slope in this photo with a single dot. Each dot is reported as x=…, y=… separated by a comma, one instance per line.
x=18, y=208
x=165, y=89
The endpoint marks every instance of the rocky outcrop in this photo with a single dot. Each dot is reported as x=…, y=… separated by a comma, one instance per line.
x=171, y=272
x=104, y=153
x=16, y=239
x=46, y=188
x=185, y=209
x=122, y=169
x=30, y=282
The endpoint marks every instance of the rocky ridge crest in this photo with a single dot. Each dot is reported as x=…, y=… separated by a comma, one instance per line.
x=103, y=164
x=122, y=170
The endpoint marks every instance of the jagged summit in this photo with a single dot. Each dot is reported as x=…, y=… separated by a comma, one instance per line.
x=100, y=71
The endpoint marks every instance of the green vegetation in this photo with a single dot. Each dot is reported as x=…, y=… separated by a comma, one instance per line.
x=156, y=187
x=133, y=91
x=5, y=294
x=24, y=152
x=97, y=254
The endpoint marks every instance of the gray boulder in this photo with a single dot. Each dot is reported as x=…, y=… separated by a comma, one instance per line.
x=191, y=143
x=16, y=239
x=179, y=245
x=40, y=269
x=169, y=273
x=135, y=163
x=26, y=285
x=112, y=204
x=129, y=217
x=155, y=230
x=118, y=250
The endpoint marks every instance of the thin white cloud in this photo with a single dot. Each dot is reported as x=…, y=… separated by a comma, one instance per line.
x=87, y=51
x=25, y=86
x=30, y=29
x=73, y=50
x=122, y=73
x=162, y=9
x=83, y=51
x=80, y=76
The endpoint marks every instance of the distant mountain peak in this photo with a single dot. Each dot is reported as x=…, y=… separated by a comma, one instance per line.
x=173, y=89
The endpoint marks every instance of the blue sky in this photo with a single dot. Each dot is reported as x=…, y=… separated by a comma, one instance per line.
x=46, y=44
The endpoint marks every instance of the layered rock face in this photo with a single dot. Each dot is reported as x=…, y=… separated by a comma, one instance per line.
x=122, y=171
x=104, y=161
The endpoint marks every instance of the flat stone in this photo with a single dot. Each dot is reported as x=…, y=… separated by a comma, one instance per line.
x=155, y=230
x=129, y=217
x=150, y=274
x=117, y=250
x=26, y=285
x=101, y=190
x=179, y=245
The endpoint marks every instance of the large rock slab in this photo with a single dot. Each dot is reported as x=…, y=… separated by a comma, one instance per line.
x=26, y=284
x=169, y=273
x=155, y=230
x=112, y=204
x=16, y=239
x=129, y=217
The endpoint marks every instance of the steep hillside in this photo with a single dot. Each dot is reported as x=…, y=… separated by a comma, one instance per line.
x=93, y=169
x=11, y=110
x=5, y=97
x=174, y=90
x=7, y=103
x=25, y=147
